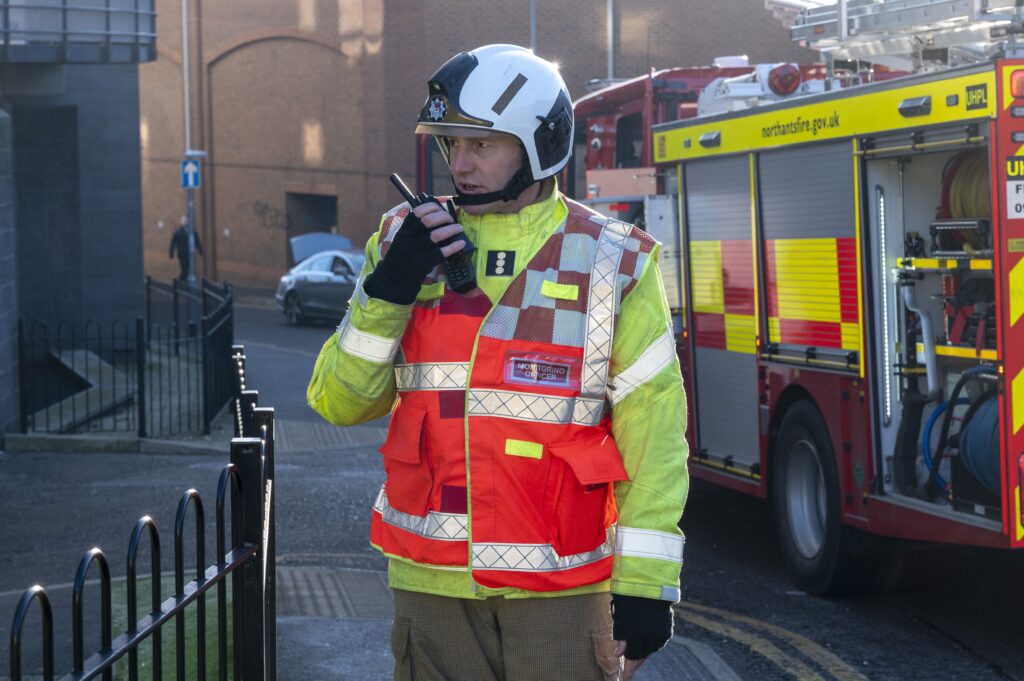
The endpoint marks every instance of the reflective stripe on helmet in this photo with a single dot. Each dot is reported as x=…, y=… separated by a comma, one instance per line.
x=536, y=557
x=366, y=345
x=649, y=364
x=434, y=525
x=533, y=407
x=441, y=376
x=632, y=541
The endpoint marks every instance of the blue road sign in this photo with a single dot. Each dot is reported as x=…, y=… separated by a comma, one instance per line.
x=190, y=174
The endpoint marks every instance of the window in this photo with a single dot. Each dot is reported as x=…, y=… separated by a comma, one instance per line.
x=341, y=268
x=320, y=263
x=629, y=137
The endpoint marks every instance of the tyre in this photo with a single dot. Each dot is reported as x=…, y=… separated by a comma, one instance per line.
x=293, y=309
x=823, y=556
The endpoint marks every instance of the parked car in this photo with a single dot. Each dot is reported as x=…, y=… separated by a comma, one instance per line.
x=320, y=286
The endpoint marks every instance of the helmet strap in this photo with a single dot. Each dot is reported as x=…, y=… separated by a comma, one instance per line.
x=519, y=183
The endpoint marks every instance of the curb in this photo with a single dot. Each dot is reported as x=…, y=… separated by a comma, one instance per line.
x=715, y=665
x=101, y=444
x=251, y=301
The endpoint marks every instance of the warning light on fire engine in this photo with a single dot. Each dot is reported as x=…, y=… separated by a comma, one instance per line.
x=1017, y=83
x=784, y=79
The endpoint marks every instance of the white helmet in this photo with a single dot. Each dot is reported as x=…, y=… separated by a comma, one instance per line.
x=502, y=88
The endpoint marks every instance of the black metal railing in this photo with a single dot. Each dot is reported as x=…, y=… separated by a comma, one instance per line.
x=166, y=376
x=246, y=631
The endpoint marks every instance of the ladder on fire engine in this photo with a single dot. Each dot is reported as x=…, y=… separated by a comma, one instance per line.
x=905, y=34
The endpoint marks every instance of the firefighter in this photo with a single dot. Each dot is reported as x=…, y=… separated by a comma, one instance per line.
x=535, y=460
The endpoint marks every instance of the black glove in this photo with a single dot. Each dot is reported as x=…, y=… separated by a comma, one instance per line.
x=410, y=258
x=645, y=624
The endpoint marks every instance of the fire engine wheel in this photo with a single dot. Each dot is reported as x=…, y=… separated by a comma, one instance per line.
x=823, y=556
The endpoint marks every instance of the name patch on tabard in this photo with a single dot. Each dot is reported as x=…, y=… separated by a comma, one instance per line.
x=541, y=369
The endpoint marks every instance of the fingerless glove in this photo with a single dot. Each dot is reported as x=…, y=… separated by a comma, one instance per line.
x=409, y=259
x=645, y=624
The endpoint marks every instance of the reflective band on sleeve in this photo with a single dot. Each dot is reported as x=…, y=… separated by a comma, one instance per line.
x=631, y=541
x=442, y=376
x=434, y=525
x=601, y=307
x=649, y=364
x=533, y=407
x=535, y=557
x=366, y=345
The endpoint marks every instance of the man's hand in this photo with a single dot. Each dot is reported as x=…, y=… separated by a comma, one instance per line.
x=641, y=626
x=413, y=253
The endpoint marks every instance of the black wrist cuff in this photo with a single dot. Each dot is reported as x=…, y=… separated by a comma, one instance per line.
x=379, y=284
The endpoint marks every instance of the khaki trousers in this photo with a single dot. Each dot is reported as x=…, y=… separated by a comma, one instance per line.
x=438, y=638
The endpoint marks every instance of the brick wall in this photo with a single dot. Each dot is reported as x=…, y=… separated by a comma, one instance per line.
x=357, y=68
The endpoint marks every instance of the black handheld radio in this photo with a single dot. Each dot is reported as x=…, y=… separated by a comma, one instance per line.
x=458, y=267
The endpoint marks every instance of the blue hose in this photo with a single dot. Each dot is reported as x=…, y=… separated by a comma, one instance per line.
x=979, y=445
x=926, y=438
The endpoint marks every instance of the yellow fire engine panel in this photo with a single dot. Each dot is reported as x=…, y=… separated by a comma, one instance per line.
x=843, y=113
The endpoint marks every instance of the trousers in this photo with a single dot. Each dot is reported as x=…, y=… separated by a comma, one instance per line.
x=567, y=638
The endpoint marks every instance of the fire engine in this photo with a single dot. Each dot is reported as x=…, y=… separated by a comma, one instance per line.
x=843, y=253
x=847, y=273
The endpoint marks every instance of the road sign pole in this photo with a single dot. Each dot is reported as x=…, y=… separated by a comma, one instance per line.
x=192, y=307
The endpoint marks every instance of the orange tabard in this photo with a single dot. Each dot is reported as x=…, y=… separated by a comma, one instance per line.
x=541, y=459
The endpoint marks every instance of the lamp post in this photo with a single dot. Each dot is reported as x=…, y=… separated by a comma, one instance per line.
x=191, y=156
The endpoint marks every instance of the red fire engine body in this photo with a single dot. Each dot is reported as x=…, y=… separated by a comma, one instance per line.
x=847, y=271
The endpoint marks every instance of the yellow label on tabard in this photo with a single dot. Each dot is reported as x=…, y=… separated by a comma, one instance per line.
x=1015, y=245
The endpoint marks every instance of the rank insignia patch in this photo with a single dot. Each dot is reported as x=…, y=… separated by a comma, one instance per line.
x=500, y=263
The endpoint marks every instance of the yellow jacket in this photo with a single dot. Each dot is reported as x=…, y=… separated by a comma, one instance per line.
x=353, y=382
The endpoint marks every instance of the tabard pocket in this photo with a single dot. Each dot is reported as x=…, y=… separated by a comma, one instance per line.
x=581, y=487
x=409, y=478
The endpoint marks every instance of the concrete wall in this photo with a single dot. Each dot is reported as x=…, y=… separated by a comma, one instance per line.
x=107, y=99
x=8, y=286
x=76, y=167
x=321, y=96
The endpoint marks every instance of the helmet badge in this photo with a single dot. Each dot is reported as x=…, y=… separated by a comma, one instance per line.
x=437, y=109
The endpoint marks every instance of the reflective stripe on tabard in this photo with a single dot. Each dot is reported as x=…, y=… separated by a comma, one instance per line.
x=601, y=307
x=434, y=525
x=631, y=541
x=533, y=407
x=535, y=557
x=441, y=376
x=649, y=364
x=366, y=345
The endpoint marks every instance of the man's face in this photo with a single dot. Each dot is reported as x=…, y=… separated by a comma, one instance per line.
x=485, y=164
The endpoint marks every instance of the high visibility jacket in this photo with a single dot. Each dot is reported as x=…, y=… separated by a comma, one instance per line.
x=502, y=451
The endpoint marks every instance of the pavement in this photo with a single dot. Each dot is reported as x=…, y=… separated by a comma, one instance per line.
x=334, y=606
x=333, y=619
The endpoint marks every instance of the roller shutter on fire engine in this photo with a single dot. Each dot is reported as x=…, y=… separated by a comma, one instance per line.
x=807, y=214
x=721, y=264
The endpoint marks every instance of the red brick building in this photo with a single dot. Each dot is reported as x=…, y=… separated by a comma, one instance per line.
x=306, y=106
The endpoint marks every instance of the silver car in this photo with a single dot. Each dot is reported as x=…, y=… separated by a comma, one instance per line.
x=320, y=286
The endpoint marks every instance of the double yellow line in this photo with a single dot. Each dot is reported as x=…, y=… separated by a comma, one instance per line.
x=761, y=638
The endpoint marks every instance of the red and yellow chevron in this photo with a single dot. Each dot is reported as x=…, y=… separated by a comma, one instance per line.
x=811, y=287
x=723, y=295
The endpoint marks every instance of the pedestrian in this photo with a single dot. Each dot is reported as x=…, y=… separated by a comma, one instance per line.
x=536, y=456
x=179, y=247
